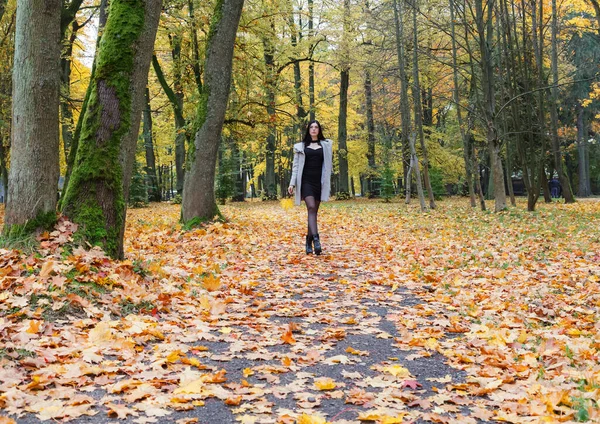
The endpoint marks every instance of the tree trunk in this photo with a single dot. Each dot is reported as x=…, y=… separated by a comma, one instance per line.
x=99, y=186
x=456, y=95
x=418, y=108
x=486, y=35
x=66, y=111
x=414, y=164
x=511, y=191
x=240, y=176
x=404, y=104
x=34, y=169
x=77, y=133
x=311, y=65
x=195, y=47
x=180, y=132
x=343, y=111
x=153, y=188
x=300, y=112
x=477, y=177
x=370, y=135
x=270, y=186
x=584, y=177
x=181, y=136
x=343, y=132
x=198, y=193
x=565, y=183
x=3, y=169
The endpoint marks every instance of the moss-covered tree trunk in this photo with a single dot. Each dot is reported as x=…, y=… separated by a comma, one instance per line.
x=152, y=178
x=103, y=15
x=34, y=170
x=99, y=186
x=199, y=193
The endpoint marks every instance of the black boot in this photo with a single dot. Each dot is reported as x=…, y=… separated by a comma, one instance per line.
x=317, y=243
x=309, y=248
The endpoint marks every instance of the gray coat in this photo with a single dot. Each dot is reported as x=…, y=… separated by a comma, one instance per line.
x=298, y=167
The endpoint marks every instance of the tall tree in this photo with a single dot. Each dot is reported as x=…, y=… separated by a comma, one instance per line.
x=370, y=134
x=311, y=65
x=456, y=97
x=103, y=16
x=270, y=86
x=485, y=33
x=96, y=195
x=418, y=108
x=558, y=159
x=151, y=175
x=198, y=193
x=343, y=187
x=404, y=103
x=34, y=170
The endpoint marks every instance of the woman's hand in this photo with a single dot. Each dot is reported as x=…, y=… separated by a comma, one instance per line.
x=291, y=190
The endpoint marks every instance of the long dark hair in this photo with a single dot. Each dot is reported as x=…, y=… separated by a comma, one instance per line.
x=307, y=138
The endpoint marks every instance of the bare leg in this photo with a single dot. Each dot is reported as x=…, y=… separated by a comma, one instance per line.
x=312, y=207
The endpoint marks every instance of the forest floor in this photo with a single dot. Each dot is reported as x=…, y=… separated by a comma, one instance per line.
x=450, y=316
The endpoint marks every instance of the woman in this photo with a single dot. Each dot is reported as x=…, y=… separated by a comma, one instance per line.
x=311, y=178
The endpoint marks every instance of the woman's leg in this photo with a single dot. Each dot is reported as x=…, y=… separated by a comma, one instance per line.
x=312, y=207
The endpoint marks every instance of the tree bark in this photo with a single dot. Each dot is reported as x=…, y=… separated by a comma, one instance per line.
x=66, y=111
x=181, y=136
x=563, y=178
x=404, y=103
x=418, y=108
x=270, y=186
x=195, y=47
x=300, y=112
x=76, y=134
x=198, y=193
x=582, y=168
x=34, y=170
x=152, y=178
x=414, y=164
x=311, y=65
x=370, y=135
x=343, y=110
x=343, y=132
x=486, y=34
x=456, y=95
x=96, y=195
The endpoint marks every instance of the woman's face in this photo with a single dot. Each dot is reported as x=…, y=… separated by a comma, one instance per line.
x=314, y=130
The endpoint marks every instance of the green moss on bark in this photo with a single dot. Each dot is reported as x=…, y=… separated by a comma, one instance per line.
x=43, y=221
x=205, y=92
x=94, y=197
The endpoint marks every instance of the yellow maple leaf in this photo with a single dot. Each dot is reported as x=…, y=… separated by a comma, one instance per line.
x=286, y=204
x=310, y=419
x=247, y=372
x=397, y=371
x=34, y=326
x=211, y=283
x=174, y=356
x=325, y=383
x=393, y=420
x=191, y=388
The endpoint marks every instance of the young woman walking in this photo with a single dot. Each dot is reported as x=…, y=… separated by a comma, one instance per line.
x=311, y=178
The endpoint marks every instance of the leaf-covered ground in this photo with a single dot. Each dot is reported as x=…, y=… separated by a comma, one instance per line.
x=452, y=316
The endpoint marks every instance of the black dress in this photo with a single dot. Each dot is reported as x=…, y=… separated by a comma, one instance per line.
x=311, y=174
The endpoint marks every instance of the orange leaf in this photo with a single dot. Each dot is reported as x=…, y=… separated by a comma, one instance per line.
x=233, y=401
x=288, y=338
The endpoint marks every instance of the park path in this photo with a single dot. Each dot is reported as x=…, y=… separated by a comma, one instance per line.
x=292, y=323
